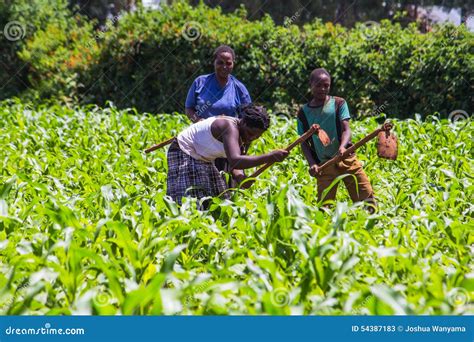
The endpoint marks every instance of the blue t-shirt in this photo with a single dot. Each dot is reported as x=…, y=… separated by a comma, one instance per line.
x=325, y=116
x=208, y=98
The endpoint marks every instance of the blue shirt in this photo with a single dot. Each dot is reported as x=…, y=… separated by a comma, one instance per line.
x=325, y=116
x=208, y=98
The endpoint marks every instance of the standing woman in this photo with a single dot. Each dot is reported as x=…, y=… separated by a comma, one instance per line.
x=219, y=93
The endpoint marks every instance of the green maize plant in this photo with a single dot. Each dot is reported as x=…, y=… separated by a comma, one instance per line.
x=86, y=228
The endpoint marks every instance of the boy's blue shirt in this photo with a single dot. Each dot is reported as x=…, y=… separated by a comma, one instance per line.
x=325, y=116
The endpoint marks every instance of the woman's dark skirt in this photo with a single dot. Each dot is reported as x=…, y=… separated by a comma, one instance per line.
x=189, y=177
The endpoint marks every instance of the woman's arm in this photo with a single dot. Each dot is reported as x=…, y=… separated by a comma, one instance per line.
x=230, y=139
x=191, y=102
x=191, y=114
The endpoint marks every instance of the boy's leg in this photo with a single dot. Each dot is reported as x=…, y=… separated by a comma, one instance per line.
x=360, y=190
x=324, y=181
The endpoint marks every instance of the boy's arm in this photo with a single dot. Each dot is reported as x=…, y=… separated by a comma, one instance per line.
x=344, y=116
x=345, y=136
x=307, y=153
x=313, y=167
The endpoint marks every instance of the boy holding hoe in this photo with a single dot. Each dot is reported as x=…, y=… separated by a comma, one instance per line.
x=332, y=114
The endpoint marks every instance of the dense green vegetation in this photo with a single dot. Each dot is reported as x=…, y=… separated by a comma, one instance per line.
x=148, y=59
x=85, y=226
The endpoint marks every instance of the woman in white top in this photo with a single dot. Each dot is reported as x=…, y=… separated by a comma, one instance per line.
x=191, y=169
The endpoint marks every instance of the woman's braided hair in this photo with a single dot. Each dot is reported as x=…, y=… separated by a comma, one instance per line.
x=254, y=116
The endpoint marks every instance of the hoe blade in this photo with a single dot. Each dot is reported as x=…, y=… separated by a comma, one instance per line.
x=323, y=137
x=387, y=145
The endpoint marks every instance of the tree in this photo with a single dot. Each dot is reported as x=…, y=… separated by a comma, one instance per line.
x=344, y=12
x=101, y=10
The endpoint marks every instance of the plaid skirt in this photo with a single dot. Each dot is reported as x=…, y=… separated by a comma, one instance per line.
x=189, y=177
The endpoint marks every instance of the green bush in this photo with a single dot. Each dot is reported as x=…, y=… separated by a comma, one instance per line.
x=58, y=56
x=47, y=55
x=21, y=19
x=144, y=61
x=12, y=75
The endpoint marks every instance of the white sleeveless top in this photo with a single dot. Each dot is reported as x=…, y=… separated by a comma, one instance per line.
x=198, y=142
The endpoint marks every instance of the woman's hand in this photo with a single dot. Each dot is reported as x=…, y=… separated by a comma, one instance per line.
x=278, y=155
x=240, y=177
